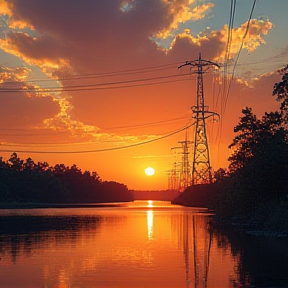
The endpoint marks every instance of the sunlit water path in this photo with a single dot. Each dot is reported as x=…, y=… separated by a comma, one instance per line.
x=140, y=244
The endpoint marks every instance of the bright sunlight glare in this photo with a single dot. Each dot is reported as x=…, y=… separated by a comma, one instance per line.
x=150, y=203
x=149, y=171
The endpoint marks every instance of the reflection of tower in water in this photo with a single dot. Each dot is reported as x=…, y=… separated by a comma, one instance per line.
x=196, y=242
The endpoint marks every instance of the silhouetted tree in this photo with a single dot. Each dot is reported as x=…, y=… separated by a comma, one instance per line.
x=258, y=166
x=220, y=174
x=42, y=166
x=3, y=164
x=281, y=91
x=251, y=131
x=16, y=162
x=244, y=140
x=29, y=164
x=26, y=181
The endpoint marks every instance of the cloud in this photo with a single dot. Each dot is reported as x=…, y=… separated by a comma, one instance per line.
x=34, y=50
x=180, y=12
x=99, y=36
x=17, y=74
x=187, y=46
x=17, y=110
x=251, y=41
x=5, y=8
x=70, y=37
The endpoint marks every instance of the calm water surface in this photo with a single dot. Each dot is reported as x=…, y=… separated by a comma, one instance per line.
x=140, y=244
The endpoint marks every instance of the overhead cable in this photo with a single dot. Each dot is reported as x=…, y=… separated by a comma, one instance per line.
x=98, y=86
x=103, y=74
x=98, y=150
x=239, y=51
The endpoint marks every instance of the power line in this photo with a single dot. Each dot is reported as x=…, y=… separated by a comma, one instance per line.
x=238, y=54
x=103, y=74
x=149, y=124
x=99, y=150
x=96, y=86
x=230, y=32
x=228, y=48
x=225, y=73
x=49, y=144
x=225, y=98
x=142, y=125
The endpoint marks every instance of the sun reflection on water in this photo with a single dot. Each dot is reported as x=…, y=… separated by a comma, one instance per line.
x=150, y=203
x=150, y=224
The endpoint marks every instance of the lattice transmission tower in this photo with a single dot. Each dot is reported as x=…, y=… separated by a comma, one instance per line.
x=201, y=167
x=183, y=174
x=173, y=178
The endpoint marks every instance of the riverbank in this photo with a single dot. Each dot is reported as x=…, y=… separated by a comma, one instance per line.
x=57, y=205
x=196, y=196
x=267, y=218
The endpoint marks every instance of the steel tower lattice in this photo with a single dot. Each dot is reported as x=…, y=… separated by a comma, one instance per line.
x=185, y=174
x=201, y=168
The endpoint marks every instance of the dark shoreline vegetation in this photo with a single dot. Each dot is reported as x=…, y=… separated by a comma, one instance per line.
x=252, y=194
x=29, y=184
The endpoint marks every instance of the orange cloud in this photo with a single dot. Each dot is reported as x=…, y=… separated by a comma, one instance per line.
x=6, y=8
x=253, y=39
x=18, y=74
x=31, y=50
x=213, y=43
x=180, y=13
x=187, y=46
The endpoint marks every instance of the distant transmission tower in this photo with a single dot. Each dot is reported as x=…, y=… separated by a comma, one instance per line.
x=173, y=178
x=201, y=168
x=184, y=172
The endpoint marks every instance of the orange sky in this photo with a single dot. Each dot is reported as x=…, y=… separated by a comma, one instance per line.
x=97, y=83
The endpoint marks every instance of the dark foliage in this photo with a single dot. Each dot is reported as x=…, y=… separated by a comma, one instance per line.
x=281, y=92
x=258, y=166
x=255, y=187
x=28, y=182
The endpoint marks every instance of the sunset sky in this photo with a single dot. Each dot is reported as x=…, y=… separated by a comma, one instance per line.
x=96, y=83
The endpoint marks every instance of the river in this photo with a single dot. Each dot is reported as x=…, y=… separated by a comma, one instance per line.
x=132, y=245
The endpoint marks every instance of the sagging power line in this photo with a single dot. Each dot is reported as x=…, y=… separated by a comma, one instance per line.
x=97, y=86
x=98, y=150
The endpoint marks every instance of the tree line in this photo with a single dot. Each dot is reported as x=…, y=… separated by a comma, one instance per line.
x=255, y=185
x=24, y=181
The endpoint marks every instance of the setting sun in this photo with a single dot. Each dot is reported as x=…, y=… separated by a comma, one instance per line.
x=149, y=171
